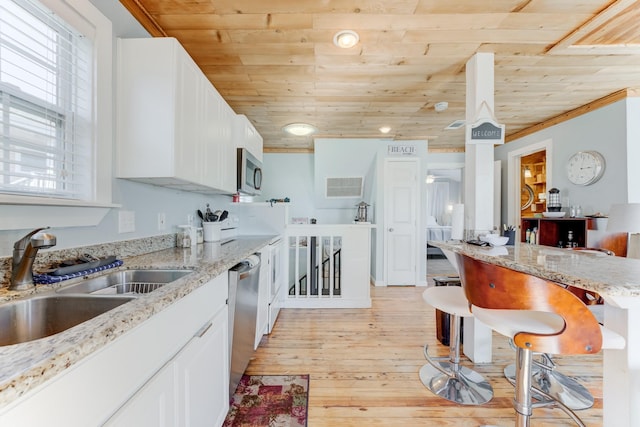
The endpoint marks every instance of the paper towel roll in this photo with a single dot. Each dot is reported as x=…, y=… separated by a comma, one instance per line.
x=457, y=222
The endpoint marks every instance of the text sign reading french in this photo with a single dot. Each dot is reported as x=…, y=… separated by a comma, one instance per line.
x=486, y=130
x=401, y=150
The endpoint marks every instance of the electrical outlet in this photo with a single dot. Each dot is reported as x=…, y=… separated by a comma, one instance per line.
x=126, y=222
x=162, y=220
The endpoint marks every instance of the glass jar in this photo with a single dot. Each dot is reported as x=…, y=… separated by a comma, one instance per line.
x=183, y=237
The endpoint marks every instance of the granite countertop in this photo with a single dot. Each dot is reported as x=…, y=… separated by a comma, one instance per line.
x=610, y=276
x=27, y=365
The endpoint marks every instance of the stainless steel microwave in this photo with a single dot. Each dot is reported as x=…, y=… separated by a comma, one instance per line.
x=249, y=173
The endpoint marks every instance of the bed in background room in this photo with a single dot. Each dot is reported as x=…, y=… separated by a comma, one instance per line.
x=436, y=232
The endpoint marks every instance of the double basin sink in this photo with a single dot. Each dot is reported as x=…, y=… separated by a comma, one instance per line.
x=41, y=316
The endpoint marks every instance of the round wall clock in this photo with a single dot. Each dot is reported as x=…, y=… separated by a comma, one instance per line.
x=585, y=167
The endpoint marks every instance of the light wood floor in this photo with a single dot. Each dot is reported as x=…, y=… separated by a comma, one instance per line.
x=364, y=365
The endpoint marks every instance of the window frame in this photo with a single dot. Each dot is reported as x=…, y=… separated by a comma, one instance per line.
x=18, y=210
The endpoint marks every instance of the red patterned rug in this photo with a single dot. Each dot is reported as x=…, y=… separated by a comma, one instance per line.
x=269, y=401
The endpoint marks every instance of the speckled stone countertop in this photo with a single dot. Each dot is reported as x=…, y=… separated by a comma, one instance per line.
x=25, y=366
x=610, y=276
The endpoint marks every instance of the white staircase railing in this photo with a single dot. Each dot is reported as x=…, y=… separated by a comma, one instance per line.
x=328, y=266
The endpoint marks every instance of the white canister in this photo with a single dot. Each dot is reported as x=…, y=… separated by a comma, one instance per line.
x=211, y=231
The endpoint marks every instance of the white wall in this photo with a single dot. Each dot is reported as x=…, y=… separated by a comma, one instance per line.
x=301, y=178
x=604, y=130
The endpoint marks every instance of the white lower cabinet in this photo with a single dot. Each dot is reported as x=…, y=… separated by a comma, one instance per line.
x=191, y=390
x=170, y=370
x=203, y=377
x=153, y=404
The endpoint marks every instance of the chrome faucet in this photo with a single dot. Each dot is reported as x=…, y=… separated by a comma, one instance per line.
x=24, y=253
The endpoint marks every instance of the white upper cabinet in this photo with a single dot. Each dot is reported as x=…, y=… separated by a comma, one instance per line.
x=246, y=136
x=173, y=129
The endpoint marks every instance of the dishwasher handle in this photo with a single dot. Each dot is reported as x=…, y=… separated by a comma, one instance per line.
x=247, y=266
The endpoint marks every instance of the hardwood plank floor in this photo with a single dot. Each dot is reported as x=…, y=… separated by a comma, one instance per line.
x=364, y=367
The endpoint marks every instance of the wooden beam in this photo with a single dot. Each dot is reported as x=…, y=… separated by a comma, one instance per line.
x=598, y=103
x=144, y=18
x=600, y=19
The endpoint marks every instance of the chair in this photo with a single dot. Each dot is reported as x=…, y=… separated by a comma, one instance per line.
x=444, y=376
x=539, y=316
x=545, y=376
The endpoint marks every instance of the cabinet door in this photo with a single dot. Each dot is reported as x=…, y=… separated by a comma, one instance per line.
x=262, y=320
x=213, y=155
x=153, y=405
x=189, y=163
x=203, y=375
x=246, y=136
x=228, y=149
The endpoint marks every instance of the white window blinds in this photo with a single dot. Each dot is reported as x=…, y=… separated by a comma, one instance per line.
x=46, y=104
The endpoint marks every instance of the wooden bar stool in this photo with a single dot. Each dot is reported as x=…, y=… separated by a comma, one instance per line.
x=539, y=316
x=444, y=376
x=545, y=375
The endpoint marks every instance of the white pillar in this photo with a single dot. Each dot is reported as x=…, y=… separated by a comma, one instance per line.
x=478, y=196
x=478, y=191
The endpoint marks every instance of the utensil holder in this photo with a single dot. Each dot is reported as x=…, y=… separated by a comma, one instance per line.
x=511, y=234
x=211, y=231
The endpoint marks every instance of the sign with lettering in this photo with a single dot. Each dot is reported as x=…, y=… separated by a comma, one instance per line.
x=401, y=150
x=485, y=131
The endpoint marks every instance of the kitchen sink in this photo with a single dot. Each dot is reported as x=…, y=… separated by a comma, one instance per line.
x=45, y=315
x=125, y=282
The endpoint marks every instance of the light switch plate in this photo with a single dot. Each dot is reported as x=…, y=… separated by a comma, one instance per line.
x=126, y=222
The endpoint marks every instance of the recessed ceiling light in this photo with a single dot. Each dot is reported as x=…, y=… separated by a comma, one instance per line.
x=385, y=129
x=300, y=129
x=346, y=39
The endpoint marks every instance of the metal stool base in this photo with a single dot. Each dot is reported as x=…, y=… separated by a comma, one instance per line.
x=465, y=386
x=560, y=387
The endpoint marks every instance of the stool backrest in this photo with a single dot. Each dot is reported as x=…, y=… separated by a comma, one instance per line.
x=492, y=286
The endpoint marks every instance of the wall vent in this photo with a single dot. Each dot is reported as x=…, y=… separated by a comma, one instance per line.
x=456, y=124
x=349, y=187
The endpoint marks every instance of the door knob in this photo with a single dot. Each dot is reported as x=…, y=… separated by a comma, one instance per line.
x=391, y=230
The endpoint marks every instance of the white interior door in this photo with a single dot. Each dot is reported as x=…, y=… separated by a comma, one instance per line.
x=401, y=199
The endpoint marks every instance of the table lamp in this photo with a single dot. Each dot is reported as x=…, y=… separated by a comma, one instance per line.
x=625, y=218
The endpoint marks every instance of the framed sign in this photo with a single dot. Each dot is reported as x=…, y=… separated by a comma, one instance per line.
x=402, y=150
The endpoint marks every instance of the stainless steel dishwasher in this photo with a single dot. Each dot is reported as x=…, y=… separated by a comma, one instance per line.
x=243, y=310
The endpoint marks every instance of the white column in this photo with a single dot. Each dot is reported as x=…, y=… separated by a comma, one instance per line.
x=621, y=368
x=478, y=191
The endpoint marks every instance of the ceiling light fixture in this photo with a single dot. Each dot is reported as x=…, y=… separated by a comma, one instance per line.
x=300, y=129
x=384, y=129
x=346, y=39
x=441, y=106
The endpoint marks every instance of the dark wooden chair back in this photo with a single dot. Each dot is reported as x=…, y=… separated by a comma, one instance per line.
x=491, y=286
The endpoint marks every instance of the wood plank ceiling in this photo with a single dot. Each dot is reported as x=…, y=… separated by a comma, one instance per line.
x=275, y=62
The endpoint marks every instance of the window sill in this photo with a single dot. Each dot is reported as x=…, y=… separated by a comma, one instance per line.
x=20, y=212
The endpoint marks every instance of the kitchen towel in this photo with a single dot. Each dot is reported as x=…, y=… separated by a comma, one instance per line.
x=48, y=279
